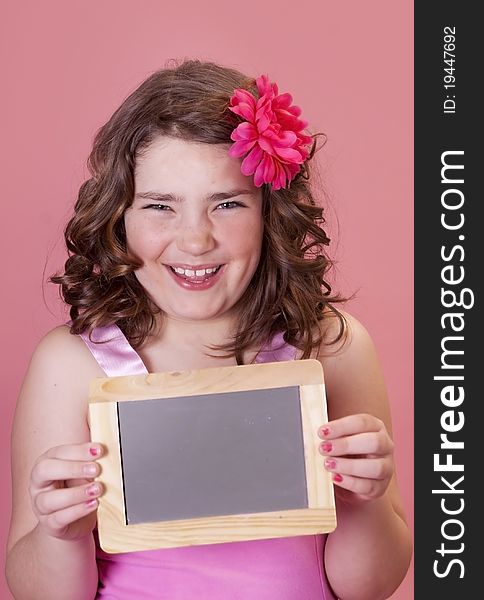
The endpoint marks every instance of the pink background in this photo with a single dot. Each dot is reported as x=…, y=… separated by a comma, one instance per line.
x=67, y=65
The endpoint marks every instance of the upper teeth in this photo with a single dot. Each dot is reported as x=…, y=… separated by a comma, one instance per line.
x=192, y=273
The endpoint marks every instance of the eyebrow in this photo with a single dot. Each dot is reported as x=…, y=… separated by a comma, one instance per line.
x=220, y=196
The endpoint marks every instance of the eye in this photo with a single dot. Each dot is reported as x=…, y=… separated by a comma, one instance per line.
x=229, y=204
x=157, y=206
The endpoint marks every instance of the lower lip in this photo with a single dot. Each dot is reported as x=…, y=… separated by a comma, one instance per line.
x=193, y=286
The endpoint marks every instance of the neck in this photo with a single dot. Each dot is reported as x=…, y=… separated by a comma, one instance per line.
x=179, y=345
x=197, y=335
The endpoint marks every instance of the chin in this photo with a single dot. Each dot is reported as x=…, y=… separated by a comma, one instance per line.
x=195, y=315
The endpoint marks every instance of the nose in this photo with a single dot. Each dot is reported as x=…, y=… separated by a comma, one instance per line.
x=196, y=240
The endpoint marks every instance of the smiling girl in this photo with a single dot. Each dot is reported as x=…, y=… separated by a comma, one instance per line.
x=189, y=224
x=187, y=250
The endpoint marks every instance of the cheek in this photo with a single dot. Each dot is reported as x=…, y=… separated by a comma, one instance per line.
x=133, y=236
x=143, y=243
x=247, y=239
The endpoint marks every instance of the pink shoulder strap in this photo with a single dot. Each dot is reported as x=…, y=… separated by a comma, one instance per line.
x=116, y=356
x=113, y=352
x=276, y=351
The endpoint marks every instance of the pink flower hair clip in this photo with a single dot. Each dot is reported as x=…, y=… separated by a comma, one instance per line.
x=270, y=137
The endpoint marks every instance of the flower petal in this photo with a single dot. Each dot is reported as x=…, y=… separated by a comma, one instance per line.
x=266, y=145
x=288, y=154
x=292, y=170
x=243, y=110
x=279, y=178
x=263, y=85
x=251, y=161
x=283, y=101
x=284, y=138
x=241, y=95
x=289, y=121
x=245, y=131
x=259, y=176
x=294, y=110
x=263, y=122
x=269, y=168
x=241, y=147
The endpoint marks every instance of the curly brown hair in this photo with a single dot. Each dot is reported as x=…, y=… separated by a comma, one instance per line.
x=288, y=291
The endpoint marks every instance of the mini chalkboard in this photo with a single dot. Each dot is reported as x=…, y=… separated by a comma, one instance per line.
x=212, y=455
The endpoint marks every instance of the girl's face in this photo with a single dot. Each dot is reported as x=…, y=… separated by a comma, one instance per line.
x=196, y=223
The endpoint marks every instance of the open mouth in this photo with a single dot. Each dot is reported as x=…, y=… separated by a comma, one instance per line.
x=195, y=275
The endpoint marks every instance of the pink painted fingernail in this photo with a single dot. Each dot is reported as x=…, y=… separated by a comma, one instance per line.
x=329, y=463
x=338, y=478
x=327, y=447
x=94, y=451
x=324, y=431
x=91, y=503
x=93, y=490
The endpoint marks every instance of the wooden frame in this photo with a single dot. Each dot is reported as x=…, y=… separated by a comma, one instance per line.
x=116, y=536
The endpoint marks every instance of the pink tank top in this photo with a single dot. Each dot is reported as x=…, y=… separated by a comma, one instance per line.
x=273, y=569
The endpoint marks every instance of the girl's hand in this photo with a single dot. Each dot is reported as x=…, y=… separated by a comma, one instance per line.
x=358, y=452
x=62, y=491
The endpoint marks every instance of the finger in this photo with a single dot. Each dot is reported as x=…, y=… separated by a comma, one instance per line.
x=48, y=470
x=59, y=520
x=370, y=468
x=363, y=443
x=86, y=451
x=350, y=425
x=59, y=499
x=368, y=488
